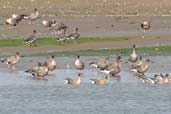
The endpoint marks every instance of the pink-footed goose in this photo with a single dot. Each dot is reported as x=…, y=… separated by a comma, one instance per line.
x=11, y=61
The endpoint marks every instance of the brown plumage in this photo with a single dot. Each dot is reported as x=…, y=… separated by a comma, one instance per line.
x=114, y=68
x=79, y=64
x=11, y=61
x=133, y=57
x=101, y=63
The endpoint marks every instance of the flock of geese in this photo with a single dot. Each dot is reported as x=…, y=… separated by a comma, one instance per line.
x=41, y=70
x=58, y=28
x=136, y=63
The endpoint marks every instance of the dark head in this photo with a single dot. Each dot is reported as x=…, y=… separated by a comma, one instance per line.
x=76, y=29
x=35, y=9
x=155, y=76
x=134, y=46
x=53, y=56
x=78, y=56
x=34, y=31
x=167, y=74
x=140, y=58
x=17, y=53
x=118, y=57
x=79, y=74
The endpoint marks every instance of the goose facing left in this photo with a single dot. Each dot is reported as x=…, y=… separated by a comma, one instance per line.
x=11, y=61
x=77, y=81
x=39, y=72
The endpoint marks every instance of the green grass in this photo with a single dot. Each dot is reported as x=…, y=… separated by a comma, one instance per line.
x=149, y=51
x=53, y=41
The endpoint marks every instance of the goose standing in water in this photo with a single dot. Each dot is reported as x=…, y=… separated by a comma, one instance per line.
x=101, y=81
x=114, y=68
x=12, y=61
x=32, y=16
x=31, y=40
x=133, y=57
x=145, y=26
x=74, y=35
x=39, y=72
x=74, y=82
x=51, y=64
x=101, y=64
x=140, y=68
x=79, y=64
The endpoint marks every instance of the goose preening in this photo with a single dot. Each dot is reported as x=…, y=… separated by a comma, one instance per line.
x=114, y=68
x=61, y=33
x=101, y=81
x=145, y=26
x=79, y=65
x=157, y=79
x=11, y=61
x=49, y=23
x=39, y=72
x=51, y=64
x=31, y=40
x=133, y=57
x=77, y=81
x=148, y=80
x=141, y=67
x=18, y=17
x=32, y=16
x=11, y=21
x=74, y=35
x=101, y=63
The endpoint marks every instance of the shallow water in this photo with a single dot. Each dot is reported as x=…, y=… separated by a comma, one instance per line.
x=19, y=94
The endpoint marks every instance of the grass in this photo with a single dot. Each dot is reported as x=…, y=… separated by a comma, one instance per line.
x=149, y=51
x=53, y=41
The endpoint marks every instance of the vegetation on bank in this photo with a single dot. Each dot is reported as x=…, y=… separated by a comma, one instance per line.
x=53, y=41
x=149, y=51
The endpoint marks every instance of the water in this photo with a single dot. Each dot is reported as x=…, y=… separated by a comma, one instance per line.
x=19, y=94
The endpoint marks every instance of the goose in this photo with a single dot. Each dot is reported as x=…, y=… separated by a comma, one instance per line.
x=49, y=24
x=79, y=64
x=18, y=17
x=74, y=35
x=11, y=61
x=31, y=39
x=148, y=80
x=141, y=67
x=101, y=63
x=74, y=82
x=51, y=64
x=100, y=81
x=133, y=57
x=32, y=16
x=114, y=68
x=61, y=35
x=39, y=72
x=145, y=26
x=162, y=79
x=11, y=22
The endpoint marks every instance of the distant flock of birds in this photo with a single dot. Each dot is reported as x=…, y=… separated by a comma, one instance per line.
x=58, y=28
x=136, y=63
